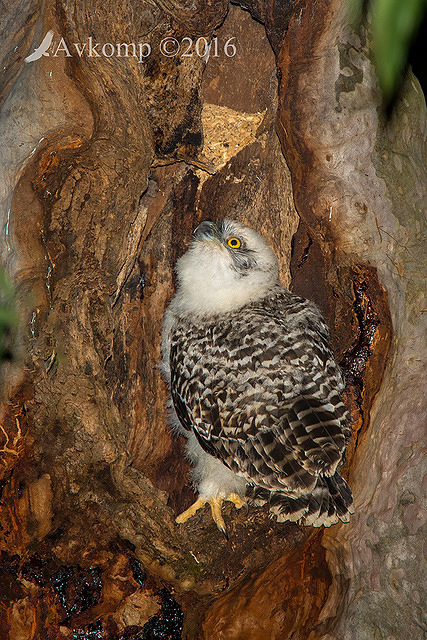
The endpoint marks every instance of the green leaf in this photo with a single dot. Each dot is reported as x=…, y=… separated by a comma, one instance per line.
x=394, y=24
x=8, y=314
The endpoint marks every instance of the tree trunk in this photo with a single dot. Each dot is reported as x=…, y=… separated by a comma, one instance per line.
x=109, y=161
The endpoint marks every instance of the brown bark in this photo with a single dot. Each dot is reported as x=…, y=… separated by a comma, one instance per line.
x=109, y=164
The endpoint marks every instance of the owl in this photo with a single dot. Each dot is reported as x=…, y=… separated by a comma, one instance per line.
x=254, y=384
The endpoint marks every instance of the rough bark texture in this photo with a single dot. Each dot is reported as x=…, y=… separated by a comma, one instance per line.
x=108, y=163
x=360, y=185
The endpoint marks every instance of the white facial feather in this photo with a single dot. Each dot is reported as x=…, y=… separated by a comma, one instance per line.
x=210, y=280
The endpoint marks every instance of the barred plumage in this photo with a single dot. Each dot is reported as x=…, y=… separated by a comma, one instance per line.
x=254, y=383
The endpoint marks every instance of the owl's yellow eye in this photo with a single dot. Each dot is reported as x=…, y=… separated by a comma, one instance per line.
x=234, y=243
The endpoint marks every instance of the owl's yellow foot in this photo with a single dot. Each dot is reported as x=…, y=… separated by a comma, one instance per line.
x=216, y=505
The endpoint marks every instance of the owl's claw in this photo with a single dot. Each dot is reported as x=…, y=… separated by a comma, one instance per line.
x=185, y=515
x=236, y=500
x=216, y=505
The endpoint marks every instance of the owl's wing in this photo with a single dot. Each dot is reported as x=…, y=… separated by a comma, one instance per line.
x=262, y=395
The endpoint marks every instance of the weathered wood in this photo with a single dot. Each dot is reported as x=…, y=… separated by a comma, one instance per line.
x=360, y=186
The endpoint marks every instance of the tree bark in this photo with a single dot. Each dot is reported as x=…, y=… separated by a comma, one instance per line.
x=109, y=162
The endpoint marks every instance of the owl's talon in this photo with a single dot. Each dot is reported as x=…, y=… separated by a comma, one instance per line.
x=236, y=500
x=216, y=506
x=186, y=515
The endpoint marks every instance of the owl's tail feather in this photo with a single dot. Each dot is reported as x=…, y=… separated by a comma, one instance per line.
x=331, y=500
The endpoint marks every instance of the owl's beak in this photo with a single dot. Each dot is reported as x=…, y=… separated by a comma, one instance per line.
x=206, y=230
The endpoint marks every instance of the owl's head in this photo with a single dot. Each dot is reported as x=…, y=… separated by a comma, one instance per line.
x=226, y=266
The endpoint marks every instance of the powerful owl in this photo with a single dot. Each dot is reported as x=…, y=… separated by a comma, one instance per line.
x=254, y=383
